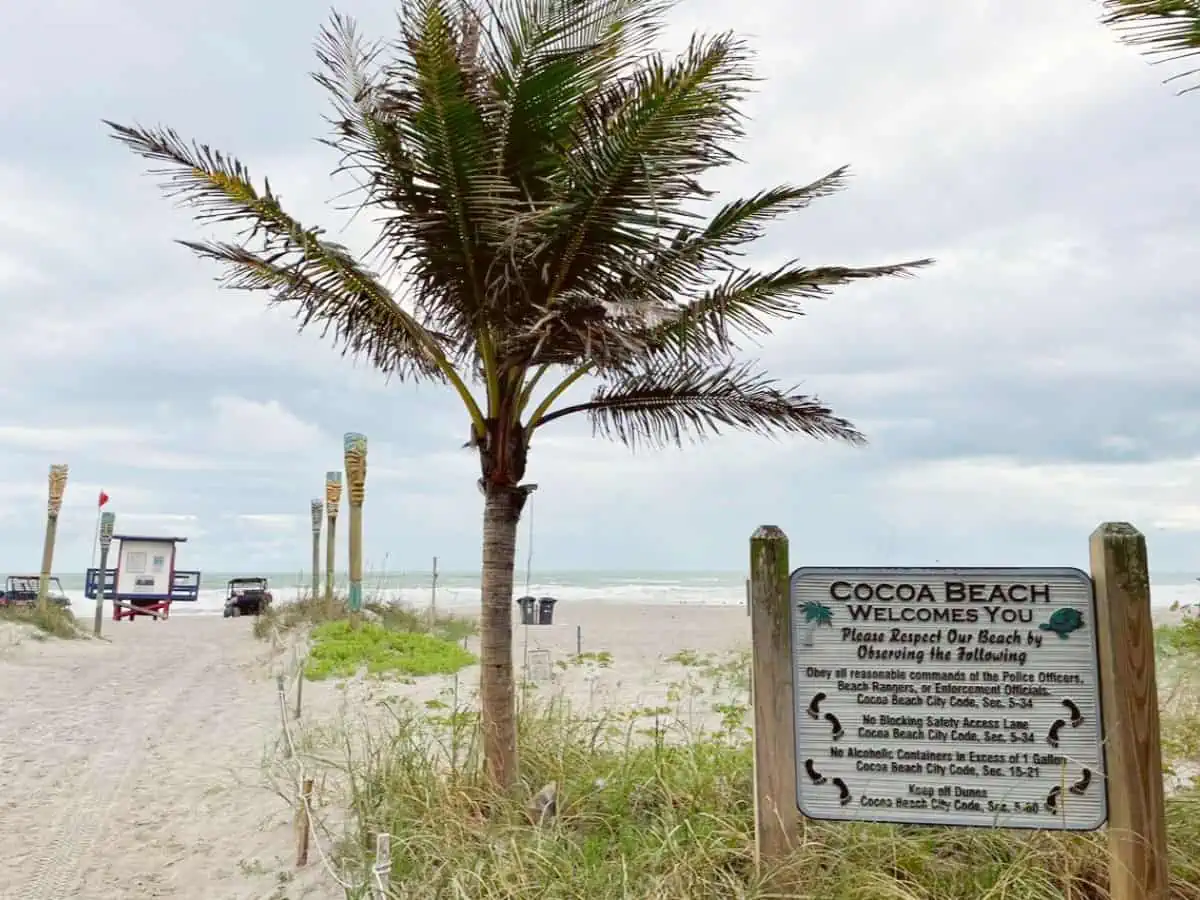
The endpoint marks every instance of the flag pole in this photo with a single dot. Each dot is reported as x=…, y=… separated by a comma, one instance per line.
x=96, y=535
x=100, y=501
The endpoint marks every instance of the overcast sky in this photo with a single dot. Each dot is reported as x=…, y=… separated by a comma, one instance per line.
x=1042, y=378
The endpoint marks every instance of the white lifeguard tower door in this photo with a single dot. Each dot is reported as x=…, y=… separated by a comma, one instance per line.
x=145, y=568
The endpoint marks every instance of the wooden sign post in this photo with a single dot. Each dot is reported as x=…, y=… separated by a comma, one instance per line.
x=776, y=820
x=1033, y=639
x=1137, y=829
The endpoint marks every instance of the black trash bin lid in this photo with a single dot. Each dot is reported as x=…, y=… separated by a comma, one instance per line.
x=547, y=600
x=524, y=600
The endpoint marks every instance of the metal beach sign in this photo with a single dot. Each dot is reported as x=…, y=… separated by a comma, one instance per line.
x=938, y=696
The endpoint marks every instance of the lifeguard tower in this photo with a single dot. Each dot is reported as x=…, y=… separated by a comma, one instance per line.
x=145, y=581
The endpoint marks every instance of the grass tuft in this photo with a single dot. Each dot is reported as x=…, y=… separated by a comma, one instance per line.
x=672, y=821
x=308, y=610
x=342, y=648
x=667, y=812
x=53, y=621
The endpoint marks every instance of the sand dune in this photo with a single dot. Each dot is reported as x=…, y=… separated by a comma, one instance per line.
x=133, y=767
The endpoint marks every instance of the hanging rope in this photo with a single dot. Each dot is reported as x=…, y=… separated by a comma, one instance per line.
x=528, y=576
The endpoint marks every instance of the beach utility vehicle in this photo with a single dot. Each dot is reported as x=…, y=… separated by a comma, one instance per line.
x=22, y=590
x=246, y=597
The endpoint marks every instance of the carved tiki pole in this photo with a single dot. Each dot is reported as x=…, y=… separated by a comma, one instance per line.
x=355, y=446
x=318, y=511
x=58, y=485
x=333, y=499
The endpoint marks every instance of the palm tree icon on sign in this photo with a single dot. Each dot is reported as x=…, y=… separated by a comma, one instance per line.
x=815, y=615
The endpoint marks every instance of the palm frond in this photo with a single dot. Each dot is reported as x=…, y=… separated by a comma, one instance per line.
x=322, y=278
x=413, y=122
x=1164, y=31
x=689, y=260
x=747, y=302
x=546, y=57
x=693, y=402
x=639, y=150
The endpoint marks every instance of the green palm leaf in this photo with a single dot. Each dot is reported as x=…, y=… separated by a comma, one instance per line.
x=662, y=407
x=327, y=284
x=1164, y=30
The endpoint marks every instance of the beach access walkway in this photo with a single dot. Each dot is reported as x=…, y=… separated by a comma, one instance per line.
x=134, y=768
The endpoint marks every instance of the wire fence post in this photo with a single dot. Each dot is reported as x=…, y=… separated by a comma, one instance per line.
x=303, y=824
x=281, y=689
x=382, y=870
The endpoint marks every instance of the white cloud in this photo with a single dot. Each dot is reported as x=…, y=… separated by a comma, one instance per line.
x=1039, y=379
x=1006, y=493
x=254, y=426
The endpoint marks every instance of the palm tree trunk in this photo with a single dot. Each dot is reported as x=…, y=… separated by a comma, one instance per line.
x=501, y=513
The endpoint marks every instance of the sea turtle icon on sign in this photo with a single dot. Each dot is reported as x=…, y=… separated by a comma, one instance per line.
x=1063, y=622
x=815, y=614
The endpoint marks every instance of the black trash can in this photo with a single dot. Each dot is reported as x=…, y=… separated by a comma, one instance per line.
x=546, y=610
x=528, y=610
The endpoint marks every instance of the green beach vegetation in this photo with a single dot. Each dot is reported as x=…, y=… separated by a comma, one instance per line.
x=646, y=805
x=1165, y=31
x=536, y=170
x=309, y=610
x=342, y=648
x=50, y=620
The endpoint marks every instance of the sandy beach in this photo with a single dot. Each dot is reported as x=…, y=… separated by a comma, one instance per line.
x=134, y=766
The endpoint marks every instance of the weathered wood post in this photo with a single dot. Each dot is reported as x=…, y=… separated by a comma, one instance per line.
x=333, y=499
x=382, y=870
x=318, y=512
x=303, y=823
x=106, y=533
x=355, y=447
x=1137, y=830
x=58, y=485
x=776, y=820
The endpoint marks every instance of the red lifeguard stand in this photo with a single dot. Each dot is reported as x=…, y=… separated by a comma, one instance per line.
x=145, y=581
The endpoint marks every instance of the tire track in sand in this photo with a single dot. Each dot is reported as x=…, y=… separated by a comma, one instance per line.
x=149, y=696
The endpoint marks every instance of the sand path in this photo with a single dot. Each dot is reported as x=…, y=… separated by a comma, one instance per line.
x=134, y=768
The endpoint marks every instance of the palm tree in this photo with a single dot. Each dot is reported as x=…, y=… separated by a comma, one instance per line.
x=1164, y=30
x=535, y=175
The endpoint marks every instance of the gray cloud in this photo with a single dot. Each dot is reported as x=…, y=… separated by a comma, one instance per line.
x=1041, y=377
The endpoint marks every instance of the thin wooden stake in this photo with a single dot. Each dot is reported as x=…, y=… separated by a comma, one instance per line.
x=775, y=816
x=1137, y=830
x=299, y=689
x=303, y=824
x=383, y=866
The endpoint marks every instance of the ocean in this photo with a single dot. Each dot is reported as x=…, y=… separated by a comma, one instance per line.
x=460, y=590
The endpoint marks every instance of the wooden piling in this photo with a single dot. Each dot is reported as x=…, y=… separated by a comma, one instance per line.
x=1137, y=831
x=303, y=824
x=776, y=820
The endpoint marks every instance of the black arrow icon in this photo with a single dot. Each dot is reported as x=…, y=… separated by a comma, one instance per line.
x=817, y=777
x=814, y=705
x=845, y=791
x=837, y=726
x=1085, y=778
x=1052, y=799
x=1076, y=715
x=1052, y=737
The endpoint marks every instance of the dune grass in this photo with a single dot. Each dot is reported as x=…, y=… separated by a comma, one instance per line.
x=52, y=621
x=342, y=648
x=308, y=610
x=647, y=810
